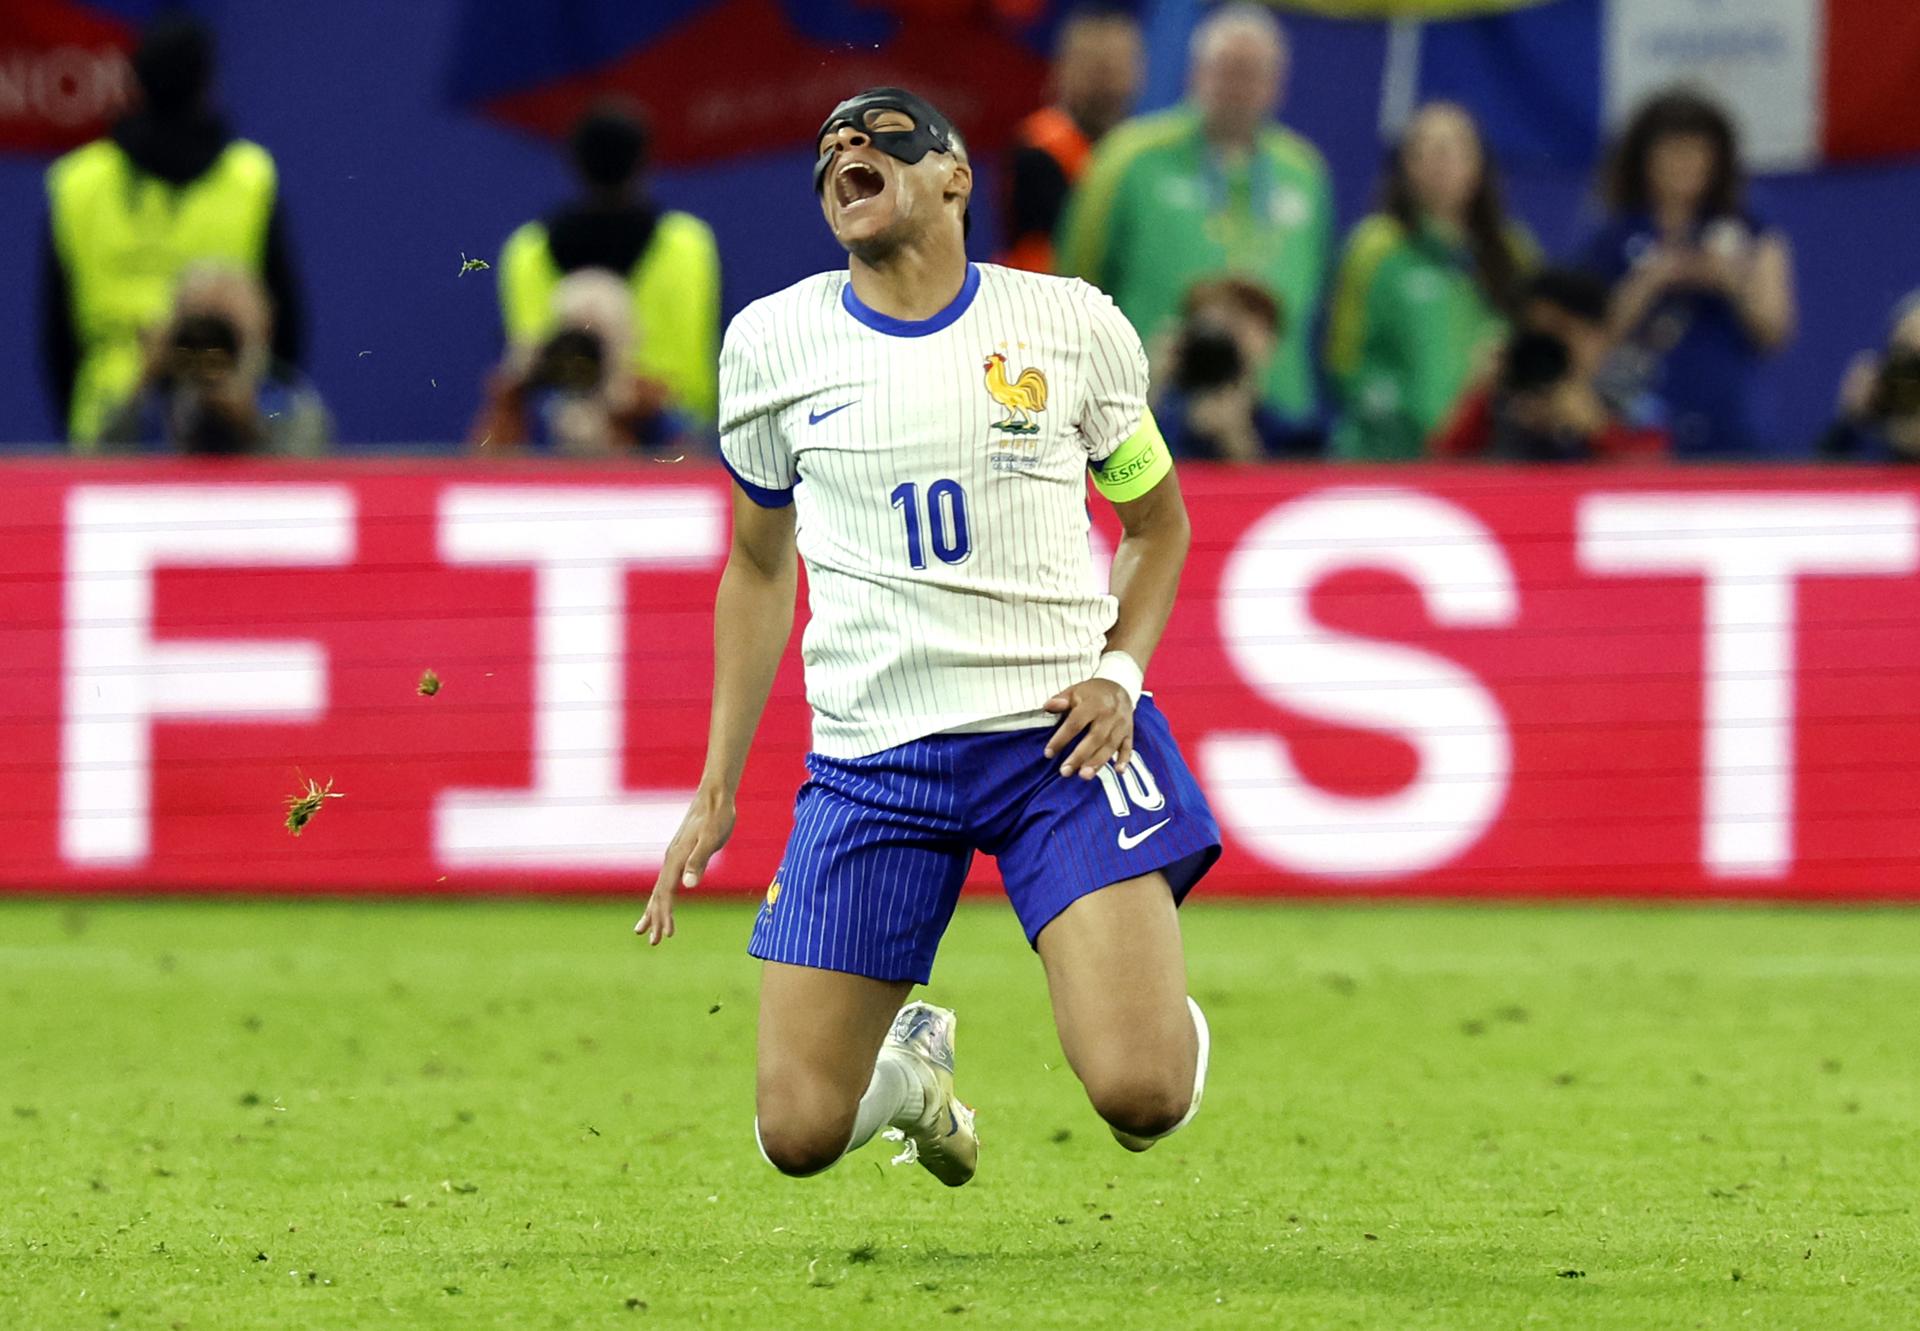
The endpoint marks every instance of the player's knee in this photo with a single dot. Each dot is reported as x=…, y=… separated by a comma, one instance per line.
x=804, y=1125
x=801, y=1148
x=1141, y=1102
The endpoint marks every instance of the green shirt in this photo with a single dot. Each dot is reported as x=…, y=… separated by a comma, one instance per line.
x=1158, y=210
x=1409, y=327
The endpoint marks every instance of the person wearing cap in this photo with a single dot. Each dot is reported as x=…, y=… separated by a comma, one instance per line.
x=128, y=214
x=667, y=258
x=1213, y=187
x=921, y=431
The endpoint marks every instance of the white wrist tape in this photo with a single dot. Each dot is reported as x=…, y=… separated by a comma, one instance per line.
x=1123, y=670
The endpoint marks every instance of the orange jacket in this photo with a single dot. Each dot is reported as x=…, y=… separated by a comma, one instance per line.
x=1049, y=154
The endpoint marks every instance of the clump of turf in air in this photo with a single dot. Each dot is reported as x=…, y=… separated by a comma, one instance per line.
x=429, y=684
x=472, y=265
x=302, y=807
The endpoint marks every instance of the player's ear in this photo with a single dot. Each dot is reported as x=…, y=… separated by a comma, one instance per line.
x=959, y=185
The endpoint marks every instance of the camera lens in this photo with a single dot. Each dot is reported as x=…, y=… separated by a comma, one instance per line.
x=1209, y=358
x=1535, y=361
x=207, y=332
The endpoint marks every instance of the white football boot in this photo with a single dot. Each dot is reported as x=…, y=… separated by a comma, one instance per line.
x=942, y=1139
x=1133, y=1143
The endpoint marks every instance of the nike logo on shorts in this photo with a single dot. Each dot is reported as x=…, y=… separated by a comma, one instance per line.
x=1129, y=841
x=815, y=417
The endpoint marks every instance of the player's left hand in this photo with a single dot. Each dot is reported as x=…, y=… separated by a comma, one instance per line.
x=705, y=829
x=1102, y=709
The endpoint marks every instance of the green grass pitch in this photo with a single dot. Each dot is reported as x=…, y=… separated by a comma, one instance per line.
x=510, y=1114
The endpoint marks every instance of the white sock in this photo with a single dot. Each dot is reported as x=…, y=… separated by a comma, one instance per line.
x=1205, y=1044
x=896, y=1097
x=1205, y=1041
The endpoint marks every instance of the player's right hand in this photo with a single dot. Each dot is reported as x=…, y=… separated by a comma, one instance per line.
x=708, y=824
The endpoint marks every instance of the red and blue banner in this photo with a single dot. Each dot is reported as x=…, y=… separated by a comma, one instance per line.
x=726, y=78
x=1809, y=82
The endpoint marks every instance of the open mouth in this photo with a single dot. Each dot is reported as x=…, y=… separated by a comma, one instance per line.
x=856, y=182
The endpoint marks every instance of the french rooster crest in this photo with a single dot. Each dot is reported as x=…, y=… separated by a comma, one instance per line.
x=1022, y=397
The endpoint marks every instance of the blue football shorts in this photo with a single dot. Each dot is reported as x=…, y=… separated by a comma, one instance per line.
x=881, y=844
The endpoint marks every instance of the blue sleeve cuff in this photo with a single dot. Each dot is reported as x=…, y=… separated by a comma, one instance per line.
x=759, y=494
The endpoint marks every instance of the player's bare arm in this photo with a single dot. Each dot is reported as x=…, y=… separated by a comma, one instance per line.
x=1155, y=535
x=752, y=619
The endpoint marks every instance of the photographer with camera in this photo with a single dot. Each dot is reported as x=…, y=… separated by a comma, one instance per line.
x=128, y=213
x=1211, y=407
x=666, y=259
x=210, y=385
x=576, y=393
x=1550, y=398
x=1879, y=418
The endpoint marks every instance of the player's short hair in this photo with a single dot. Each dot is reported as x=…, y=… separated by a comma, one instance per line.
x=1235, y=18
x=960, y=155
x=609, y=145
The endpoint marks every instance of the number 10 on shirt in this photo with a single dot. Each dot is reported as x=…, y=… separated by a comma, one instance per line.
x=945, y=523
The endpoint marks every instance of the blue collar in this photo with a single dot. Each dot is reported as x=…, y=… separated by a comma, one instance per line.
x=892, y=327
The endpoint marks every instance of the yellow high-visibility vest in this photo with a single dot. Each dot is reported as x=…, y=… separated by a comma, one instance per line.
x=676, y=304
x=124, y=238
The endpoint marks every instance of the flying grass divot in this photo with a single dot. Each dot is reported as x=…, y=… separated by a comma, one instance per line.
x=302, y=807
x=429, y=684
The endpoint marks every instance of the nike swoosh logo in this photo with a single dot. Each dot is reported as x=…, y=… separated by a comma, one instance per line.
x=1129, y=841
x=815, y=417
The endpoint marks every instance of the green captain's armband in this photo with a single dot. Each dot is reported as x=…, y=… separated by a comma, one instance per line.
x=1135, y=467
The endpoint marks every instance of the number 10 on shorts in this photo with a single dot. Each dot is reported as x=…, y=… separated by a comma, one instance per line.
x=1132, y=788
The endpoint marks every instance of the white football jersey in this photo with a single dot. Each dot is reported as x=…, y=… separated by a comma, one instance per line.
x=939, y=473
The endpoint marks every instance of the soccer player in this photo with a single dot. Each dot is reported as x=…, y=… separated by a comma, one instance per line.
x=919, y=429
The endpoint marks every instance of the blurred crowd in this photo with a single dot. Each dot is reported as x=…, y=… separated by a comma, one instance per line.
x=1438, y=327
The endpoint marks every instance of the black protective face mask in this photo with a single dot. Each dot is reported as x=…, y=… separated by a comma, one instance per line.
x=931, y=132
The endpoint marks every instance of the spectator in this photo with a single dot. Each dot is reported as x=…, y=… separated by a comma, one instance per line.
x=1879, y=418
x=668, y=260
x=211, y=384
x=128, y=213
x=1550, y=399
x=1423, y=291
x=577, y=393
x=1702, y=287
x=1212, y=407
x=1210, y=187
x=1098, y=65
